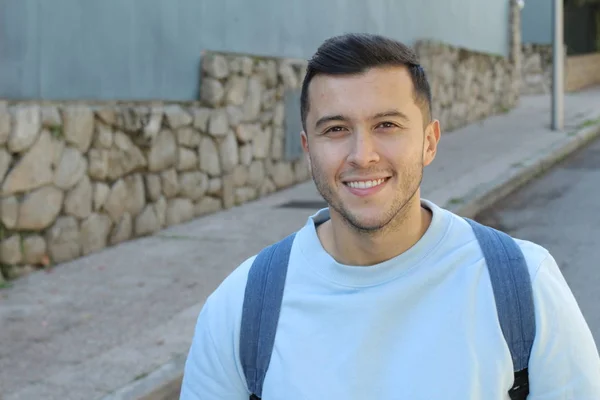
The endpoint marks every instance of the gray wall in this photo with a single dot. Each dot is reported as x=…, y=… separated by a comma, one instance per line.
x=150, y=49
x=536, y=22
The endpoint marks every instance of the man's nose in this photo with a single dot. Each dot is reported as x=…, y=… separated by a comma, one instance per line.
x=364, y=149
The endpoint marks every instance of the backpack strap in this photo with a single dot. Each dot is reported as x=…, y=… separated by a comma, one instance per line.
x=260, y=313
x=513, y=293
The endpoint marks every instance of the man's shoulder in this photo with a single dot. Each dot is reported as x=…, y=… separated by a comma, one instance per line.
x=234, y=284
x=535, y=256
x=222, y=310
x=232, y=288
x=226, y=302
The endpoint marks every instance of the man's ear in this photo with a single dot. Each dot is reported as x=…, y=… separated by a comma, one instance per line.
x=304, y=140
x=432, y=138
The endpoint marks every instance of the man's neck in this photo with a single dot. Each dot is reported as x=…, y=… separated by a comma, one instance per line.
x=351, y=247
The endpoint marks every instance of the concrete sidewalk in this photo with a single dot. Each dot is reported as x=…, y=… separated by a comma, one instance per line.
x=117, y=324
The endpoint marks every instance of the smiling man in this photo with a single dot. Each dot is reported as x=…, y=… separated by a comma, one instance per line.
x=385, y=295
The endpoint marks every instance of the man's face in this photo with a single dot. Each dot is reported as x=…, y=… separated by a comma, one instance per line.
x=367, y=145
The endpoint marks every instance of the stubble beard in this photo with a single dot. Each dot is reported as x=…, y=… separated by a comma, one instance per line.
x=392, y=217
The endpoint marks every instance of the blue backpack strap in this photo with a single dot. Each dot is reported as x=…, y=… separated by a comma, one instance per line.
x=260, y=313
x=513, y=293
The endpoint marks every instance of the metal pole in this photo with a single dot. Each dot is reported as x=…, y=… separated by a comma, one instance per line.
x=558, y=66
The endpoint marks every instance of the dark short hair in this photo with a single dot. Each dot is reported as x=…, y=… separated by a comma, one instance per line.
x=355, y=53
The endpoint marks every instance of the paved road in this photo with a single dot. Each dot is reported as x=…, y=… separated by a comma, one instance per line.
x=561, y=211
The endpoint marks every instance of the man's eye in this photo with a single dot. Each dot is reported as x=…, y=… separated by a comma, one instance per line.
x=387, y=125
x=335, y=129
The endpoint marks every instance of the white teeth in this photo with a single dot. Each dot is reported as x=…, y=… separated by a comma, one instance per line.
x=365, y=184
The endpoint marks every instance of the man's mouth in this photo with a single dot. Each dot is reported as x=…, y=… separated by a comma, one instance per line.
x=365, y=184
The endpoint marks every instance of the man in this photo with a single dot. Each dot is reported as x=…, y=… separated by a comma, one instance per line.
x=387, y=295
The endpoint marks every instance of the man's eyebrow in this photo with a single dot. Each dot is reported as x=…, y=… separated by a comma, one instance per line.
x=391, y=113
x=330, y=118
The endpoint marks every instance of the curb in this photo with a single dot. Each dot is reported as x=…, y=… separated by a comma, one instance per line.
x=486, y=195
x=162, y=384
x=165, y=382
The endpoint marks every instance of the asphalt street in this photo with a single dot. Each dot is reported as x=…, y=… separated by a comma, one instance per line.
x=561, y=211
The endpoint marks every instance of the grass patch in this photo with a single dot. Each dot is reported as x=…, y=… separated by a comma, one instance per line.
x=585, y=124
x=56, y=131
x=589, y=122
x=22, y=244
x=141, y=376
x=456, y=200
x=5, y=285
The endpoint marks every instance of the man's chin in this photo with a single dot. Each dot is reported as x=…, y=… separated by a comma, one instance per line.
x=370, y=217
x=366, y=221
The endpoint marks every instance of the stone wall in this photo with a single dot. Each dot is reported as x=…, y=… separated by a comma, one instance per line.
x=76, y=178
x=515, y=55
x=467, y=86
x=536, y=69
x=582, y=71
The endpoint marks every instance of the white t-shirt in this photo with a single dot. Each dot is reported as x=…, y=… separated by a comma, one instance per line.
x=422, y=325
